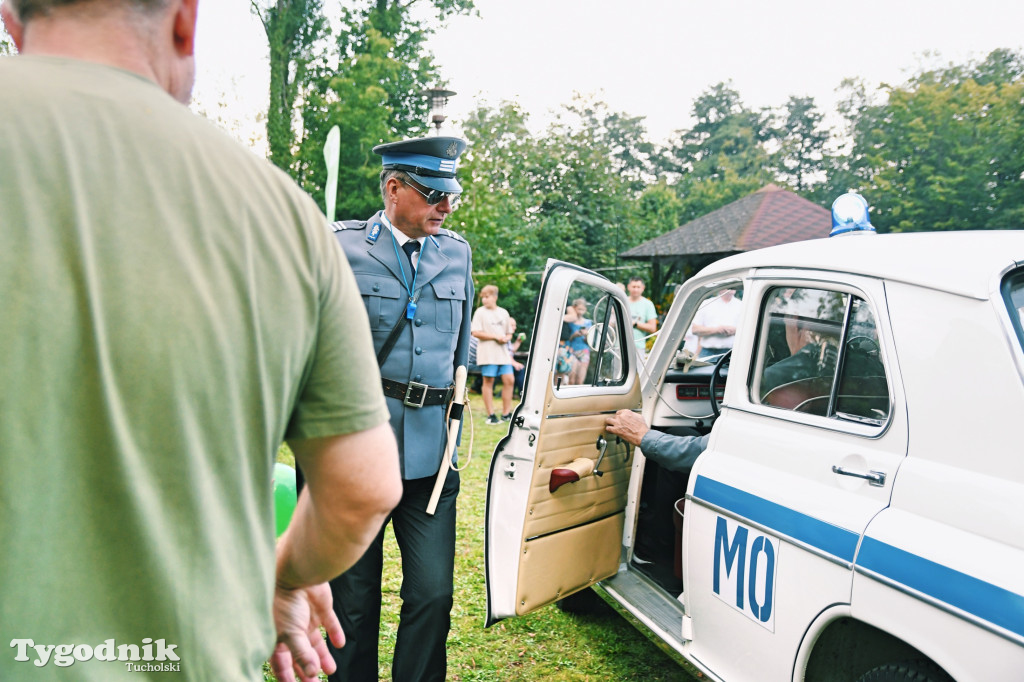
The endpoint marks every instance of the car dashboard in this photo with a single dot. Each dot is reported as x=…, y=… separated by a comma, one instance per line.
x=684, y=397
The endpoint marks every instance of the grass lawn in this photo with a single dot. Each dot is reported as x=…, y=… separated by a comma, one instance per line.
x=547, y=644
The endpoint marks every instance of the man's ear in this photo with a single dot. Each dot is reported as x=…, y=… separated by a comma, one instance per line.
x=391, y=188
x=14, y=27
x=185, y=27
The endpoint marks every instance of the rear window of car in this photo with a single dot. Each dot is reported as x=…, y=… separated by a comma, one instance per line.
x=819, y=353
x=1013, y=294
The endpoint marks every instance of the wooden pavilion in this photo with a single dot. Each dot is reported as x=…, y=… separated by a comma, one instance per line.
x=767, y=217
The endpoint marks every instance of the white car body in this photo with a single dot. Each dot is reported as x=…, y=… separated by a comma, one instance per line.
x=876, y=520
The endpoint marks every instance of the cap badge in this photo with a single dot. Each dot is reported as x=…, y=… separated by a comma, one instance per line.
x=452, y=150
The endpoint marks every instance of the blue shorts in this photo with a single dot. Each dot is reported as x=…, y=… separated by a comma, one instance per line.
x=495, y=370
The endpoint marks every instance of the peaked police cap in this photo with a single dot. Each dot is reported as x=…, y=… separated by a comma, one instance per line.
x=431, y=161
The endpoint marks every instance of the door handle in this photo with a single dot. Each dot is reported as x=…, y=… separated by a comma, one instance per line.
x=602, y=448
x=581, y=467
x=875, y=478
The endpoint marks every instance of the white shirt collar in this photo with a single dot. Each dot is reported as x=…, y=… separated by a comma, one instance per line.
x=400, y=237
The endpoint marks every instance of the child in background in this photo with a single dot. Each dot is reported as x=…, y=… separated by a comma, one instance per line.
x=578, y=342
x=492, y=327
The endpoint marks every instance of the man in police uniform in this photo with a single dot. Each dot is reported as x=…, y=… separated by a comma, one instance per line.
x=414, y=277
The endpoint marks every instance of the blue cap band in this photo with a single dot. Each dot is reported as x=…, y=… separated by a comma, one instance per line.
x=421, y=162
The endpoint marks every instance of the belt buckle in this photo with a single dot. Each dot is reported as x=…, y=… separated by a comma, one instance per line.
x=410, y=400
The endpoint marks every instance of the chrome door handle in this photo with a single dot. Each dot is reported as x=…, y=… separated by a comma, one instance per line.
x=875, y=478
x=602, y=448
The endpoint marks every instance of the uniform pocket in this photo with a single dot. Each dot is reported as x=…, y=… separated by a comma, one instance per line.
x=451, y=296
x=382, y=297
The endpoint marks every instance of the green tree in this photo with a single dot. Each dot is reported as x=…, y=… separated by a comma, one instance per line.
x=293, y=28
x=800, y=159
x=571, y=193
x=722, y=157
x=499, y=213
x=595, y=160
x=726, y=135
x=946, y=151
x=355, y=99
x=370, y=84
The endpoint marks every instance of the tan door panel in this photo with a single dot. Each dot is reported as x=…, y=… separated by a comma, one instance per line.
x=563, y=528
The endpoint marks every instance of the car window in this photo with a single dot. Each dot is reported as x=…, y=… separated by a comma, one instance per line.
x=590, y=348
x=715, y=323
x=1013, y=294
x=818, y=352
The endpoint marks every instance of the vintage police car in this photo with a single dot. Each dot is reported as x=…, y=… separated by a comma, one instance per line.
x=858, y=513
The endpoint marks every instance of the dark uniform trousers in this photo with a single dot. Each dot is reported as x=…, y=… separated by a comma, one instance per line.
x=427, y=546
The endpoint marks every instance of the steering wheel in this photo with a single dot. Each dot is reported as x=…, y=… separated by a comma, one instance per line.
x=716, y=375
x=863, y=343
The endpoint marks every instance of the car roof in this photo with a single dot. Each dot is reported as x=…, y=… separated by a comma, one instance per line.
x=960, y=262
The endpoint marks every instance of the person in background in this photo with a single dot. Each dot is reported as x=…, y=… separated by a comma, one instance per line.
x=715, y=324
x=565, y=361
x=492, y=326
x=513, y=346
x=644, y=316
x=578, y=342
x=417, y=289
x=174, y=308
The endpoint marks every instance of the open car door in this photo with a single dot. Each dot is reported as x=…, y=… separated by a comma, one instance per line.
x=557, y=488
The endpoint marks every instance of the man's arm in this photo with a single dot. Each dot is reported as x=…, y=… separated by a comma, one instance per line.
x=650, y=326
x=701, y=329
x=487, y=336
x=352, y=484
x=676, y=453
x=720, y=330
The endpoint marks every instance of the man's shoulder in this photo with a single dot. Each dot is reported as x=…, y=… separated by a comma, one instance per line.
x=358, y=235
x=452, y=234
x=347, y=225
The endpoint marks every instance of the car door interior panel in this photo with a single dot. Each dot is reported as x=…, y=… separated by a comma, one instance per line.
x=566, y=524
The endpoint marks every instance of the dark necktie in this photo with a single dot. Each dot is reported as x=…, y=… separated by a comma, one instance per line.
x=411, y=247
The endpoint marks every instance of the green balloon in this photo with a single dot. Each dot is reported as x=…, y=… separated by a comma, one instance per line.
x=285, y=495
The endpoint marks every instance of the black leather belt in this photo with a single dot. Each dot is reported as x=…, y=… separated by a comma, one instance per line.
x=415, y=394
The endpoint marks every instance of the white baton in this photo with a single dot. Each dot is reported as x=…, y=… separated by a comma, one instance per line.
x=455, y=421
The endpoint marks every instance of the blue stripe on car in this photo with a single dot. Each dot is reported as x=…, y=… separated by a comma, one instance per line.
x=998, y=606
x=831, y=539
x=985, y=600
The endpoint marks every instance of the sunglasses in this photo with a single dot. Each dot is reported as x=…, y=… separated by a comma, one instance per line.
x=436, y=196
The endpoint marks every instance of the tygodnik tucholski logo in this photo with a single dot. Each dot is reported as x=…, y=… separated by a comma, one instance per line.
x=150, y=656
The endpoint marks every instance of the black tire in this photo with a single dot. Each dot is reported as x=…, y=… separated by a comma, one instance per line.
x=906, y=671
x=583, y=603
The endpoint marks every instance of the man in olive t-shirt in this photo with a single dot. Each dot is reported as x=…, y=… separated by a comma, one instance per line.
x=173, y=308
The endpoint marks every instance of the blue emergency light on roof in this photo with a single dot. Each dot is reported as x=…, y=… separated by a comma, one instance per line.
x=850, y=214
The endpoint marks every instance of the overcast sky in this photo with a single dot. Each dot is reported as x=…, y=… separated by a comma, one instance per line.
x=647, y=58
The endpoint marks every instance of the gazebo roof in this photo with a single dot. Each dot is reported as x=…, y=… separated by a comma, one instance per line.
x=767, y=217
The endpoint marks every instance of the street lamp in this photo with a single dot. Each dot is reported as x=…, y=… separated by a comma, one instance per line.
x=438, y=99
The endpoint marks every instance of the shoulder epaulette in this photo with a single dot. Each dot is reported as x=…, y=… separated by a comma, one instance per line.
x=451, y=233
x=339, y=225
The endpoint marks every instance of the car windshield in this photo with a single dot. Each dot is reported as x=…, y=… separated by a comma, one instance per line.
x=1013, y=294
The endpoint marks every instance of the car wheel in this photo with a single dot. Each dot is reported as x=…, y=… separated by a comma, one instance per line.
x=906, y=671
x=583, y=603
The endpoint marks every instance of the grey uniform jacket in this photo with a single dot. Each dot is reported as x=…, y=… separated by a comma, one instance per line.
x=675, y=453
x=432, y=344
